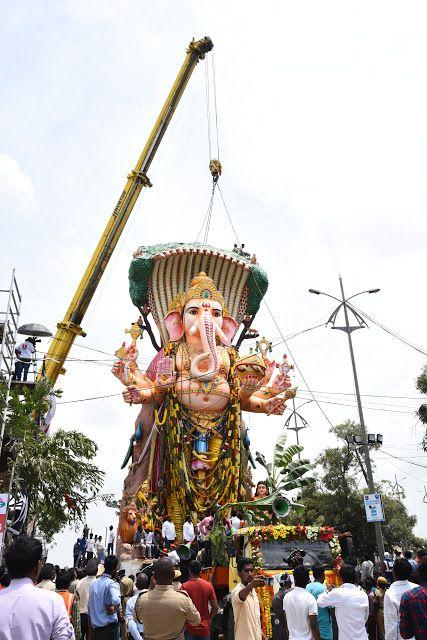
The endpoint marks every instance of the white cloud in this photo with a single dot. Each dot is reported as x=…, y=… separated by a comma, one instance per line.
x=17, y=193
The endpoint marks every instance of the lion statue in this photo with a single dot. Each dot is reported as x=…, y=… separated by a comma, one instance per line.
x=128, y=523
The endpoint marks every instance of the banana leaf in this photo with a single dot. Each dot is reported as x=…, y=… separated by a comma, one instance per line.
x=296, y=484
x=279, y=448
x=286, y=455
x=292, y=465
x=297, y=472
x=259, y=457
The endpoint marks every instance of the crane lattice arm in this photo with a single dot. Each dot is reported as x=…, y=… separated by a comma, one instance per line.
x=70, y=327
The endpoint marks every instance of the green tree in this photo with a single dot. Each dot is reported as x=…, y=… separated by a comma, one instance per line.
x=337, y=499
x=421, y=385
x=55, y=471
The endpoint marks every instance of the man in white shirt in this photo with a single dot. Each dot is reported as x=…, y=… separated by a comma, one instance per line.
x=168, y=532
x=235, y=520
x=300, y=608
x=246, y=610
x=82, y=590
x=90, y=547
x=111, y=538
x=99, y=549
x=24, y=354
x=25, y=611
x=351, y=606
x=136, y=629
x=367, y=569
x=402, y=570
x=188, y=534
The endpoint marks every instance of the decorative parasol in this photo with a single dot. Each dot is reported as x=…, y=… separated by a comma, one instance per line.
x=158, y=273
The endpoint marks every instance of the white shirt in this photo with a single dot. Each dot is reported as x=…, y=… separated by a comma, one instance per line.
x=30, y=613
x=134, y=628
x=99, y=547
x=367, y=569
x=90, y=545
x=111, y=537
x=25, y=350
x=392, y=599
x=150, y=537
x=168, y=530
x=235, y=522
x=173, y=555
x=351, y=610
x=298, y=605
x=82, y=589
x=188, y=532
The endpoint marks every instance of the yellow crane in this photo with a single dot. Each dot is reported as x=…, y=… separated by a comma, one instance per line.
x=70, y=327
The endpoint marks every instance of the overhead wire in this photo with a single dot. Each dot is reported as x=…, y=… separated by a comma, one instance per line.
x=284, y=341
x=391, y=332
x=400, y=469
x=353, y=406
x=415, y=464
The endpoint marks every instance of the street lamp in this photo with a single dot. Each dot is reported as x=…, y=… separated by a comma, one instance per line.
x=297, y=427
x=348, y=329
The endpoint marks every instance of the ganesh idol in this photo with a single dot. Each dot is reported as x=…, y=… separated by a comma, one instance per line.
x=194, y=391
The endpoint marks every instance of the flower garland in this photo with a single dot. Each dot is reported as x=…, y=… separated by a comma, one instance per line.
x=265, y=597
x=222, y=481
x=288, y=533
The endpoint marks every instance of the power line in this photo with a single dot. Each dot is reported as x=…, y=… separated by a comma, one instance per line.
x=368, y=402
x=110, y=395
x=391, y=332
x=402, y=470
x=369, y=395
x=416, y=464
x=342, y=404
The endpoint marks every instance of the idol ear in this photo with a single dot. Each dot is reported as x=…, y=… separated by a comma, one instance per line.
x=173, y=322
x=229, y=328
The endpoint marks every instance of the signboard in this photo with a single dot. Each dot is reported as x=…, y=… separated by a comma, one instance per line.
x=4, y=499
x=374, y=507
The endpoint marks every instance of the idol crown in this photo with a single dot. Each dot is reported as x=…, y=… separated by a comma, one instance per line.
x=202, y=287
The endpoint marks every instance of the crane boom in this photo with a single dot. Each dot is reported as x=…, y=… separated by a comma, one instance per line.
x=70, y=327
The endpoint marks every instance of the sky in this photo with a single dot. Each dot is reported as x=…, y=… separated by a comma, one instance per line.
x=323, y=140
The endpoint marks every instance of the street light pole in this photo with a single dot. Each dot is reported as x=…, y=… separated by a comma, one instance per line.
x=348, y=330
x=378, y=532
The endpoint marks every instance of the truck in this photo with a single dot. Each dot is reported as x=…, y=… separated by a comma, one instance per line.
x=275, y=550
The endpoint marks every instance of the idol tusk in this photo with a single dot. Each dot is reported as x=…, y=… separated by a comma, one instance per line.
x=193, y=330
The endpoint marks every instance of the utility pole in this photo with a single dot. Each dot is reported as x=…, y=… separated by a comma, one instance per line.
x=348, y=329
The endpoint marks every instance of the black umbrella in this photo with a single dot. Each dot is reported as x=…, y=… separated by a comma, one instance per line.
x=35, y=330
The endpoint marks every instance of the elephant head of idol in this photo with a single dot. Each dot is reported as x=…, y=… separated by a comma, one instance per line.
x=200, y=317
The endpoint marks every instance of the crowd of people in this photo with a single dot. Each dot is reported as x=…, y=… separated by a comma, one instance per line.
x=167, y=598
x=388, y=604
x=43, y=602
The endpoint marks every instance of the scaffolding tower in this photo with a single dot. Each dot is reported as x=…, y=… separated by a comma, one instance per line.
x=10, y=307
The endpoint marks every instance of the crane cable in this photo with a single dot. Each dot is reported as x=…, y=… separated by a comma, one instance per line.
x=215, y=167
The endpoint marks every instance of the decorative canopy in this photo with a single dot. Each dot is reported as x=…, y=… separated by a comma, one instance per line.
x=159, y=273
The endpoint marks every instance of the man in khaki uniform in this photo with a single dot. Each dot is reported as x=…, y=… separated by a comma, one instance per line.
x=163, y=611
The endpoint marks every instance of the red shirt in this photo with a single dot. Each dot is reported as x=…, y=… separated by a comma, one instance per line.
x=200, y=591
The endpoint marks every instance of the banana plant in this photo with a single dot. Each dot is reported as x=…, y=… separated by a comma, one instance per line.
x=285, y=473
